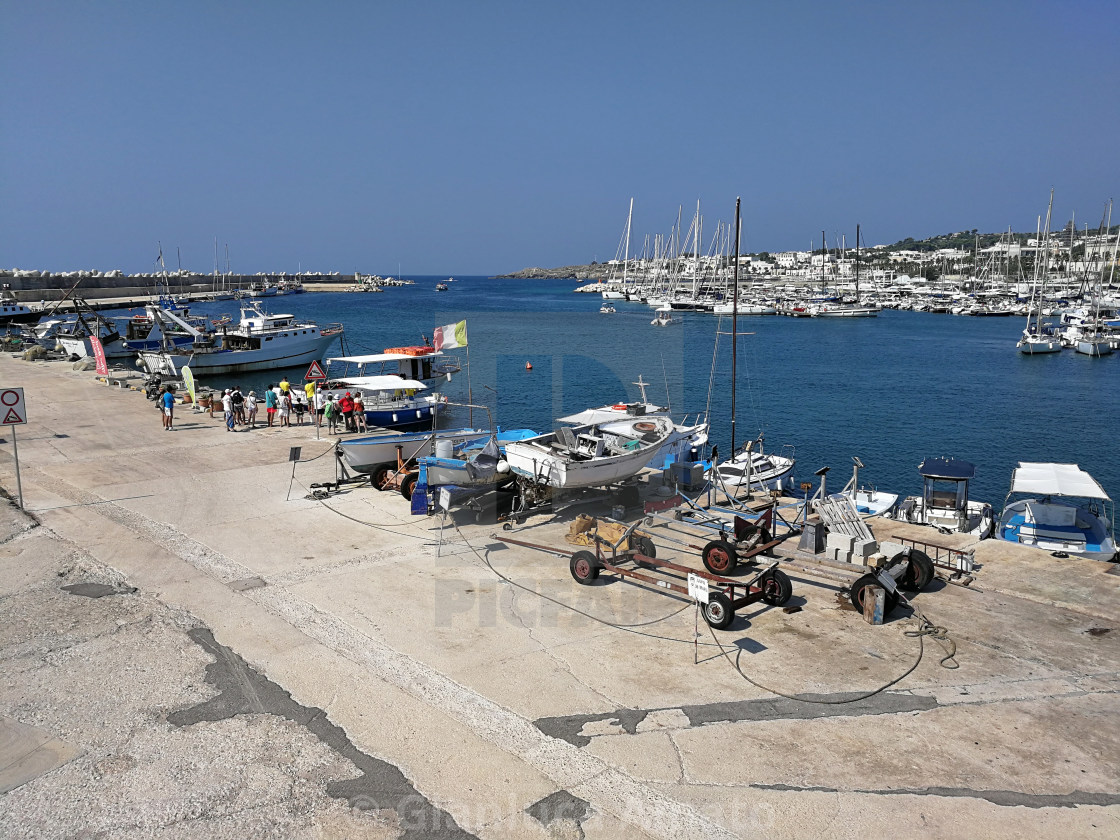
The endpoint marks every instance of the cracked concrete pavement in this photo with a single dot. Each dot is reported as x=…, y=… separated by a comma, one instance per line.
x=485, y=698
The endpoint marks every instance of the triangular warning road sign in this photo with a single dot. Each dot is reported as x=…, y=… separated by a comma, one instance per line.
x=12, y=417
x=315, y=372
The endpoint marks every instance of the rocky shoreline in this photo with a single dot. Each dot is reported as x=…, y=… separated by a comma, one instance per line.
x=595, y=271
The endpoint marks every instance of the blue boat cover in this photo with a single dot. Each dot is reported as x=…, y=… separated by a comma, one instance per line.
x=952, y=469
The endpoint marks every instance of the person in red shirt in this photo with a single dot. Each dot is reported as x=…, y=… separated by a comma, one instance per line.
x=346, y=406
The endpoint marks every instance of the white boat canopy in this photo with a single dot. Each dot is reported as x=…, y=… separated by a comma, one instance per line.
x=383, y=383
x=1056, y=480
x=603, y=415
x=380, y=357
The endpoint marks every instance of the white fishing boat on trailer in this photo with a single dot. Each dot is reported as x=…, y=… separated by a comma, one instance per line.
x=684, y=443
x=260, y=341
x=752, y=469
x=944, y=503
x=592, y=455
x=1068, y=512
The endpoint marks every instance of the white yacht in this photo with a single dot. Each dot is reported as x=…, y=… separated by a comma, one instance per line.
x=259, y=341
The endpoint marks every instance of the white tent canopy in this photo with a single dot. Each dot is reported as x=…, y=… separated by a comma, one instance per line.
x=383, y=383
x=1055, y=480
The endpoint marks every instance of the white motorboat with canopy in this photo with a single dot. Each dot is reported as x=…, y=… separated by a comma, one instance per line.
x=393, y=384
x=1067, y=511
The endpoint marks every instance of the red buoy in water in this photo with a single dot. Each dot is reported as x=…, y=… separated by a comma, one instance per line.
x=528, y=366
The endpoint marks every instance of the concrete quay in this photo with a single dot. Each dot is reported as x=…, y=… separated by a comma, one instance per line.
x=193, y=648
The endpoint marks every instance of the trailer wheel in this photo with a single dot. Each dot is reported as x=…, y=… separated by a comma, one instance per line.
x=584, y=567
x=379, y=477
x=860, y=586
x=718, y=612
x=643, y=545
x=776, y=587
x=408, y=484
x=719, y=557
x=919, y=572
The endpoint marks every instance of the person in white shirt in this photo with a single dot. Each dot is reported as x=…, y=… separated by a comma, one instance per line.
x=320, y=404
x=285, y=408
x=227, y=407
x=251, y=409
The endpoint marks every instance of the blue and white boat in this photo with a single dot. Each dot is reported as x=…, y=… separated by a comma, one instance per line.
x=1065, y=510
x=370, y=453
x=395, y=385
x=475, y=463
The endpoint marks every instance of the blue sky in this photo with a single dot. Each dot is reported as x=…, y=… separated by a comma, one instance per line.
x=483, y=137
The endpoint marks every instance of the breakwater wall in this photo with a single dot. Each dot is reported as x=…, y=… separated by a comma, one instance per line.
x=50, y=287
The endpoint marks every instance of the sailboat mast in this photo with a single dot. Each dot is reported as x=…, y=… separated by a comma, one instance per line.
x=857, y=263
x=626, y=260
x=735, y=328
x=824, y=256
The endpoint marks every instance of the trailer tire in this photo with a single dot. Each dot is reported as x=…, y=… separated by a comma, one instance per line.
x=919, y=572
x=379, y=477
x=719, y=557
x=584, y=567
x=643, y=545
x=718, y=612
x=408, y=484
x=776, y=587
x=857, y=590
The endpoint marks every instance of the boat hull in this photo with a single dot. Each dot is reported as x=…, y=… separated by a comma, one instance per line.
x=237, y=361
x=365, y=454
x=1056, y=526
x=536, y=460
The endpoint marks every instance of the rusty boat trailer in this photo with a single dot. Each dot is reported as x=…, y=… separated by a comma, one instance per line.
x=638, y=560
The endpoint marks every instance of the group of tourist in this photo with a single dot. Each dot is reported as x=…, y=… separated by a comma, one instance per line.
x=281, y=401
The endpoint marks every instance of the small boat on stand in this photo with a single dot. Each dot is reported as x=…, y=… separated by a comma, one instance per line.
x=944, y=503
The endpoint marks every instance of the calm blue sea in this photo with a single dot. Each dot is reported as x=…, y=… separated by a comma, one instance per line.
x=891, y=390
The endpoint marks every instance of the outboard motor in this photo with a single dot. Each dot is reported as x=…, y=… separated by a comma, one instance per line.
x=153, y=385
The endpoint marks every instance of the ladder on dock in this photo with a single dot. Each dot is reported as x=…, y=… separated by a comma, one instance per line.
x=840, y=516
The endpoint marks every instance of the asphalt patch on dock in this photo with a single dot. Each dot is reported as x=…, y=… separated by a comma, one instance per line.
x=381, y=786
x=569, y=727
x=1005, y=798
x=98, y=590
x=561, y=807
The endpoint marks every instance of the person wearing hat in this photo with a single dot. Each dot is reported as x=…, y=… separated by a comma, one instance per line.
x=227, y=407
x=346, y=406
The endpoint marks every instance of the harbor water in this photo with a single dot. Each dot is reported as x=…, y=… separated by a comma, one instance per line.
x=891, y=390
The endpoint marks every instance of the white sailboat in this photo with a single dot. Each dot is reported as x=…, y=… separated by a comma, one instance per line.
x=1096, y=343
x=1039, y=338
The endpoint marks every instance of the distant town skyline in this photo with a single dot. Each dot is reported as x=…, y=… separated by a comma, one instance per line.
x=485, y=138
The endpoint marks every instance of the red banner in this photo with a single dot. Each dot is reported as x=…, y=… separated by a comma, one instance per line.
x=99, y=355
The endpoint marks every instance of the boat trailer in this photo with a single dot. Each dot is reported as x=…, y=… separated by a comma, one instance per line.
x=739, y=540
x=637, y=561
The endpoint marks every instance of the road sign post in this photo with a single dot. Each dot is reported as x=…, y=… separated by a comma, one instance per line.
x=13, y=413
